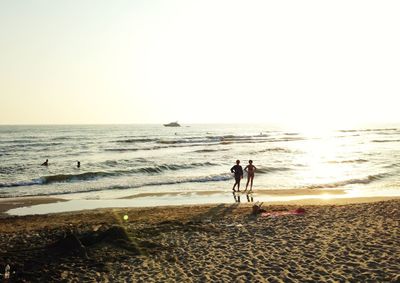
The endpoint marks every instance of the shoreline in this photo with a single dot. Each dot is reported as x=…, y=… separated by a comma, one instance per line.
x=52, y=205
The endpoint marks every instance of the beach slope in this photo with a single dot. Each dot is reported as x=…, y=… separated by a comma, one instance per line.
x=356, y=242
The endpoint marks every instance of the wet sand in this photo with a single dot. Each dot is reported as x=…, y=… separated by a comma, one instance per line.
x=225, y=243
x=258, y=192
x=7, y=203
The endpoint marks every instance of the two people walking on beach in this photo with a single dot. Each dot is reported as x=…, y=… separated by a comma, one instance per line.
x=237, y=170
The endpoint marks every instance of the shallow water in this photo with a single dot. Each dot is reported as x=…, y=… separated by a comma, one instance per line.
x=123, y=160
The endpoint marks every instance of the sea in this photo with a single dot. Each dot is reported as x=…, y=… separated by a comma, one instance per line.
x=194, y=161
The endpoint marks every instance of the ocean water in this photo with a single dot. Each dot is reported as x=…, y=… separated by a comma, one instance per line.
x=126, y=160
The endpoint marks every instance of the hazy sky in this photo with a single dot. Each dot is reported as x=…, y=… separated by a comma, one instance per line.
x=292, y=62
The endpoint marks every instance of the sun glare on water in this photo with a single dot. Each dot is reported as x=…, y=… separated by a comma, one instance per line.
x=319, y=152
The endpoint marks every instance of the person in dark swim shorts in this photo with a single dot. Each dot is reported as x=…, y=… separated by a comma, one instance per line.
x=238, y=171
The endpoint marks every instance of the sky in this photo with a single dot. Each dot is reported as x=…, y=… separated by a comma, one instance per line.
x=306, y=63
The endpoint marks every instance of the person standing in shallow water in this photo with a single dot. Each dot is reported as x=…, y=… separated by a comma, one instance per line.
x=250, y=169
x=238, y=171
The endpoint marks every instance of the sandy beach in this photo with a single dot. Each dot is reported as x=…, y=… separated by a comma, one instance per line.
x=203, y=243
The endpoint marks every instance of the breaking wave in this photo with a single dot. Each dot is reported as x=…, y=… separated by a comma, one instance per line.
x=366, y=180
x=87, y=176
x=199, y=179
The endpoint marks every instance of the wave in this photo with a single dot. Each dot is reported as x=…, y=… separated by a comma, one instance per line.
x=172, y=167
x=389, y=133
x=211, y=178
x=369, y=130
x=386, y=141
x=366, y=180
x=267, y=170
x=12, y=169
x=260, y=138
x=230, y=139
x=349, y=161
x=239, y=137
x=210, y=150
x=347, y=136
x=204, y=141
x=75, y=177
x=393, y=165
x=121, y=149
x=200, y=179
x=286, y=139
x=120, y=162
x=14, y=146
x=155, y=147
x=17, y=141
x=174, y=141
x=87, y=176
x=137, y=140
x=191, y=140
x=273, y=149
x=63, y=138
x=22, y=183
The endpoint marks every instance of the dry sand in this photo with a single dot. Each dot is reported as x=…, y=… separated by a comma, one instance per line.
x=221, y=243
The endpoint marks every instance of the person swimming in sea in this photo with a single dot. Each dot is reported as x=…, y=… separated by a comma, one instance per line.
x=250, y=169
x=46, y=163
x=238, y=171
x=78, y=164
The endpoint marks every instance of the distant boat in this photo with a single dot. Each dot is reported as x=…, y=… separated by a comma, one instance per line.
x=172, y=124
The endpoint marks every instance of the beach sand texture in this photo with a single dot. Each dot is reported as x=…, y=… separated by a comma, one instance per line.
x=219, y=243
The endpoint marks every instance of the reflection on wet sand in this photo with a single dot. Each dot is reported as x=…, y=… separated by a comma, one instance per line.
x=249, y=196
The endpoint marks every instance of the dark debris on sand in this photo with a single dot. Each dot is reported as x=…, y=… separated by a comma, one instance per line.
x=41, y=256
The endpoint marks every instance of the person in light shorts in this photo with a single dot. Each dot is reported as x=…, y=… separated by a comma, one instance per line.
x=250, y=169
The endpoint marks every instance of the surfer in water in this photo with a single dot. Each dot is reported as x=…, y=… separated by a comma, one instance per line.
x=250, y=169
x=238, y=171
x=46, y=163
